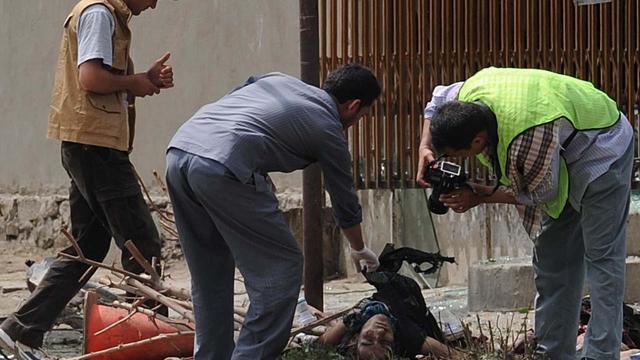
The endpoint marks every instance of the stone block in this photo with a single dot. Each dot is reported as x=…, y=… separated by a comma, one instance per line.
x=65, y=212
x=7, y=207
x=49, y=208
x=633, y=234
x=508, y=284
x=46, y=233
x=632, y=280
x=501, y=285
x=28, y=209
x=11, y=230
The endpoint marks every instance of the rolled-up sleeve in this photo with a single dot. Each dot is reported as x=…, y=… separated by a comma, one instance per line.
x=335, y=161
x=440, y=95
x=534, y=164
x=547, y=189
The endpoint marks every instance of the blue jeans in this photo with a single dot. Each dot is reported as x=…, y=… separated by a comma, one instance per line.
x=224, y=223
x=590, y=241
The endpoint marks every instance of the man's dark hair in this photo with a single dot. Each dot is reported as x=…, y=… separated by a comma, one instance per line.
x=456, y=123
x=351, y=82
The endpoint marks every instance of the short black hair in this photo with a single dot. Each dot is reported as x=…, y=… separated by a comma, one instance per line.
x=351, y=82
x=456, y=123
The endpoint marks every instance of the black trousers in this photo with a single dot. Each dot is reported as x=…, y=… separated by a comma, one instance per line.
x=106, y=202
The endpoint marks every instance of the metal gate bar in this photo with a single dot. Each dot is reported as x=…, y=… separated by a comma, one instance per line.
x=414, y=45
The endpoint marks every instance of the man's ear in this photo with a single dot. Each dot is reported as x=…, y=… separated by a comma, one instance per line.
x=480, y=140
x=354, y=105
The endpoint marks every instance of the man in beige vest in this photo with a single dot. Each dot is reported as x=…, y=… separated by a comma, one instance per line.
x=92, y=114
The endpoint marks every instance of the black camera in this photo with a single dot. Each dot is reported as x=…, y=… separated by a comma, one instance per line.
x=443, y=177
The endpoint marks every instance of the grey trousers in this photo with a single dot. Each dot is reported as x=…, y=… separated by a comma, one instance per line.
x=590, y=241
x=222, y=224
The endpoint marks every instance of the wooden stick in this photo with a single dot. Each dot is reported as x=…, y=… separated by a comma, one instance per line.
x=108, y=281
x=159, y=180
x=146, y=192
x=137, y=255
x=129, y=307
x=134, y=287
x=74, y=243
x=116, y=323
x=168, y=217
x=132, y=345
x=319, y=322
x=168, y=226
x=88, y=274
x=177, y=293
x=164, y=300
x=133, y=307
x=132, y=312
x=80, y=257
x=169, y=229
x=186, y=304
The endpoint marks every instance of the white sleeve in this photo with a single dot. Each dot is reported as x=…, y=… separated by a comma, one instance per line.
x=441, y=94
x=95, y=30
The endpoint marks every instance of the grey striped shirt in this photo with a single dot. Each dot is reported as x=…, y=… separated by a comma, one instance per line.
x=276, y=122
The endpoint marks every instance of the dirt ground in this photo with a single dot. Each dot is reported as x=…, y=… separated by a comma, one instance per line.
x=447, y=303
x=339, y=294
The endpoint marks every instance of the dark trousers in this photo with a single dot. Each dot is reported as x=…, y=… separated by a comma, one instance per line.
x=106, y=202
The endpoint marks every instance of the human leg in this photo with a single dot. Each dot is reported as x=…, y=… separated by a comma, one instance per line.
x=264, y=250
x=115, y=195
x=558, y=265
x=61, y=282
x=210, y=264
x=605, y=206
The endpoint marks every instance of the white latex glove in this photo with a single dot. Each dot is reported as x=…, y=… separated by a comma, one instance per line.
x=365, y=258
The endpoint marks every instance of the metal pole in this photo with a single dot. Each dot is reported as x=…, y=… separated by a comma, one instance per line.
x=312, y=192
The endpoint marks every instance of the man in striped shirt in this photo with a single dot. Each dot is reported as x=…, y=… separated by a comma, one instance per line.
x=562, y=152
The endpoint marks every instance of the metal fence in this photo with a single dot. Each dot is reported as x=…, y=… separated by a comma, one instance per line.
x=414, y=45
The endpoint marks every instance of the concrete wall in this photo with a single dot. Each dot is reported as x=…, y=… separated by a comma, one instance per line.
x=401, y=217
x=465, y=237
x=215, y=44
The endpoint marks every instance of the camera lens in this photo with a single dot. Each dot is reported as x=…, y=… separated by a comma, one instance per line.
x=435, y=206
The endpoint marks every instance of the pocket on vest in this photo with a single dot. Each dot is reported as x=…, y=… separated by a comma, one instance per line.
x=105, y=117
x=109, y=103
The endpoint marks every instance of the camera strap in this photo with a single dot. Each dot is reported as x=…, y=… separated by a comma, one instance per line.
x=567, y=141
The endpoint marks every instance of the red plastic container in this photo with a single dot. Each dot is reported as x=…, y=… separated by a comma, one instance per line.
x=138, y=327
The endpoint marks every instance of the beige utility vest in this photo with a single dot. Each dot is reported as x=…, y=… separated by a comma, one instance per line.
x=84, y=117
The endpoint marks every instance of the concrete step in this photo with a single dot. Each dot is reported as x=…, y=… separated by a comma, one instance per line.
x=507, y=284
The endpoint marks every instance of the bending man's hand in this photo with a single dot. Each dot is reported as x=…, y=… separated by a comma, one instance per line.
x=460, y=200
x=365, y=258
x=425, y=157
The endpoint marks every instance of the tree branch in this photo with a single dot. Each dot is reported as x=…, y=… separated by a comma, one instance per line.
x=132, y=345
